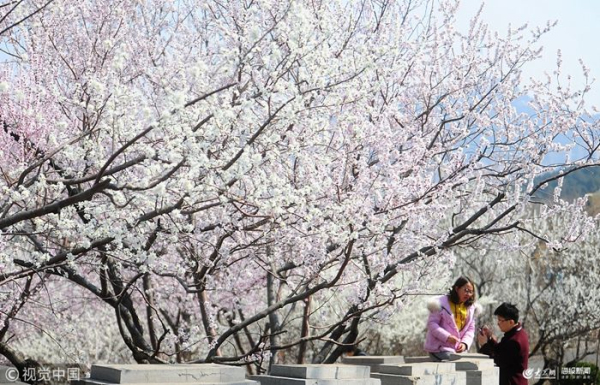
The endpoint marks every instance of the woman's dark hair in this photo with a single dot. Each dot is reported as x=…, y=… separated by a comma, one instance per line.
x=508, y=311
x=460, y=282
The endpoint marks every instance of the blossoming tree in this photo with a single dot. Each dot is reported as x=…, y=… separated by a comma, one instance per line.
x=215, y=180
x=554, y=284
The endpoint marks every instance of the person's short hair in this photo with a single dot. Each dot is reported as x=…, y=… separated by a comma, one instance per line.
x=353, y=350
x=507, y=311
x=460, y=282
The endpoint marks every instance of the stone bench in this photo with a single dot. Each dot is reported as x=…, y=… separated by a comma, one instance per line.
x=480, y=369
x=192, y=374
x=467, y=369
x=421, y=373
x=317, y=374
x=372, y=361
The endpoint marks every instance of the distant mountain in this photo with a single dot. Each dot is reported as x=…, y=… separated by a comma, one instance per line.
x=575, y=185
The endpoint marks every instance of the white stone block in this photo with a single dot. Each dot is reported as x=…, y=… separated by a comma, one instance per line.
x=278, y=380
x=417, y=369
x=458, y=378
x=482, y=377
x=472, y=364
x=373, y=360
x=321, y=371
x=88, y=381
x=167, y=374
x=463, y=356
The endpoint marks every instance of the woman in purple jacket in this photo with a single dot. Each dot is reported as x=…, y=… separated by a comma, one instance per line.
x=451, y=322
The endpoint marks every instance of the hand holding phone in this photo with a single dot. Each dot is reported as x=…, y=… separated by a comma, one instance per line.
x=481, y=338
x=485, y=330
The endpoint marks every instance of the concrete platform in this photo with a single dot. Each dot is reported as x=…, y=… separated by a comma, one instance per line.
x=193, y=374
x=457, y=378
x=312, y=374
x=275, y=380
x=373, y=360
x=418, y=369
x=321, y=371
x=462, y=369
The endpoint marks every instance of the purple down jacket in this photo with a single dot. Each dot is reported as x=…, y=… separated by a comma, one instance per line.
x=441, y=324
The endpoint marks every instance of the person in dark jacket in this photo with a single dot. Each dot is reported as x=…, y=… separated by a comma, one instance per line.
x=511, y=354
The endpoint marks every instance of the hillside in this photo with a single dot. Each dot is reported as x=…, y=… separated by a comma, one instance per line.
x=575, y=185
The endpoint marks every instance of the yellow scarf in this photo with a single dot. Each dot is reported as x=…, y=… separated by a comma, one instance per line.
x=460, y=314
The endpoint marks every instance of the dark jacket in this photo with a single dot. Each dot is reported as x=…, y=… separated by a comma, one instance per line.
x=511, y=355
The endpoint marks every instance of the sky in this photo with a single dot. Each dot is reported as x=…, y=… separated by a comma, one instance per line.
x=576, y=34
